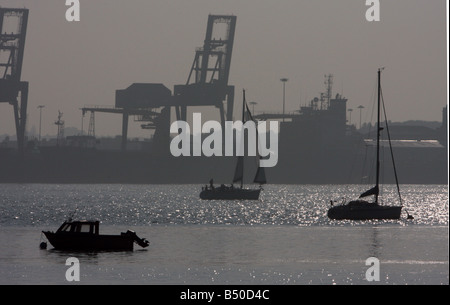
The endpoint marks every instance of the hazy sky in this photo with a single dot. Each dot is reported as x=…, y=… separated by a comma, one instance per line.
x=116, y=43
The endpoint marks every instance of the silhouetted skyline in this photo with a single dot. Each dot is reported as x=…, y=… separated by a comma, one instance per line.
x=116, y=43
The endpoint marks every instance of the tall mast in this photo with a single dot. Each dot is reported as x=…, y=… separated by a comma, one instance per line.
x=378, y=136
x=243, y=134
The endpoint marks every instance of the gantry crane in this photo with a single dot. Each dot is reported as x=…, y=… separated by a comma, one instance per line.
x=207, y=85
x=13, y=29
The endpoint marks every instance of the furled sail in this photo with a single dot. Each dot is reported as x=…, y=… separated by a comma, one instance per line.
x=372, y=191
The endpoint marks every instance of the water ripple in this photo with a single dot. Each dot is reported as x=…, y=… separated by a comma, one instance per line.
x=300, y=205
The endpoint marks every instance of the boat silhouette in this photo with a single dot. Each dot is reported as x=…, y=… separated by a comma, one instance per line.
x=361, y=209
x=231, y=192
x=85, y=235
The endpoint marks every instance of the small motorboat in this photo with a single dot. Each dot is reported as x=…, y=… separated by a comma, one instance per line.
x=85, y=235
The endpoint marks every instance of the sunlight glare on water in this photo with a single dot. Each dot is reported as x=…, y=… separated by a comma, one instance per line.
x=303, y=205
x=284, y=238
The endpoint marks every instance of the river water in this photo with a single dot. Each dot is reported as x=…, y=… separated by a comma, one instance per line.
x=284, y=238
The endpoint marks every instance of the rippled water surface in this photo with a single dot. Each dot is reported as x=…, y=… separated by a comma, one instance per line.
x=303, y=205
x=284, y=238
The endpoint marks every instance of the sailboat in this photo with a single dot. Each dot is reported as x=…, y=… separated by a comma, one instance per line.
x=231, y=192
x=361, y=209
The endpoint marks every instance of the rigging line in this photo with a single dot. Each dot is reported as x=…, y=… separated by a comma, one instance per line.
x=364, y=164
x=382, y=171
x=350, y=175
x=372, y=107
x=355, y=158
x=371, y=134
x=390, y=147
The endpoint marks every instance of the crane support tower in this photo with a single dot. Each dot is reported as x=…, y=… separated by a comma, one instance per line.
x=207, y=83
x=13, y=30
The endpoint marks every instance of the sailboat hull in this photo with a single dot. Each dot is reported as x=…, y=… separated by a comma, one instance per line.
x=364, y=212
x=230, y=194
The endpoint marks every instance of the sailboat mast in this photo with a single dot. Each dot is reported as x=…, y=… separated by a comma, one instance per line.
x=378, y=136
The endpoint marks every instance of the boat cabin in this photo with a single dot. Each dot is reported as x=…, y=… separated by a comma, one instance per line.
x=91, y=227
x=361, y=203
